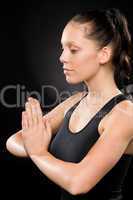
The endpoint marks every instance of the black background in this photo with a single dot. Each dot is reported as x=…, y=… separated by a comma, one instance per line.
x=30, y=47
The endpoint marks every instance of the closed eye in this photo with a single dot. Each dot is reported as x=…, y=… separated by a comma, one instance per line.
x=73, y=51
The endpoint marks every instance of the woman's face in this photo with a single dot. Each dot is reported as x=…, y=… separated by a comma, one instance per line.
x=80, y=55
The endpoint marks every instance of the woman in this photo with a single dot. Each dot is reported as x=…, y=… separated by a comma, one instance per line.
x=87, y=155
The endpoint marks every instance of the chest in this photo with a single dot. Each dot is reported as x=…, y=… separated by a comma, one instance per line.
x=81, y=117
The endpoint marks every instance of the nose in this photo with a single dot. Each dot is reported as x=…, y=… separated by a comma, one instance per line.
x=61, y=58
x=64, y=57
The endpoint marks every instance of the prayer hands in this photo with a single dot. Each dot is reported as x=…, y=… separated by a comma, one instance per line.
x=36, y=130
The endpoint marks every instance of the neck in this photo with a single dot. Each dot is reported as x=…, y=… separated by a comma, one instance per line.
x=102, y=86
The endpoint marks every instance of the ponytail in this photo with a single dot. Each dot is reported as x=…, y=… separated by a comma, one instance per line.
x=110, y=26
x=122, y=58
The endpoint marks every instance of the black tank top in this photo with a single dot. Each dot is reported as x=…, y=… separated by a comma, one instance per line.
x=73, y=147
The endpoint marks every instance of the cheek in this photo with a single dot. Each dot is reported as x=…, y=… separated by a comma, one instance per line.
x=88, y=62
x=90, y=58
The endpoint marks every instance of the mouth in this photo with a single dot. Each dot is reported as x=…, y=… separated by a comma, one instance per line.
x=67, y=71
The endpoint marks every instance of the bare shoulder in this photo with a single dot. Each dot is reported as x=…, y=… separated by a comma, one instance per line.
x=66, y=104
x=121, y=118
x=124, y=110
x=56, y=115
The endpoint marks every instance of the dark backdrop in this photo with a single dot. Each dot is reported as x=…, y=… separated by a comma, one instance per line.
x=30, y=47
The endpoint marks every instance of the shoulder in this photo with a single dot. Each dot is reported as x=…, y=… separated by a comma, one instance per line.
x=121, y=118
x=72, y=100
x=123, y=109
x=56, y=115
x=60, y=110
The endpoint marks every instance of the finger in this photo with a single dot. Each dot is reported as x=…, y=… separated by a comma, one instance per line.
x=33, y=111
x=24, y=120
x=48, y=127
x=38, y=110
x=28, y=114
x=43, y=121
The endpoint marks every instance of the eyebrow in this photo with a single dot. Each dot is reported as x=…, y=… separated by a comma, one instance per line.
x=70, y=43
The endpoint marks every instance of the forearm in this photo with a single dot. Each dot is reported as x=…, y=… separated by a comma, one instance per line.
x=60, y=172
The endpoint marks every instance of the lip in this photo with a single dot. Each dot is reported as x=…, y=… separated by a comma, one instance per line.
x=66, y=69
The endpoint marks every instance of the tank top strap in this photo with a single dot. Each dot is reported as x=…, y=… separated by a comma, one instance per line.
x=75, y=105
x=111, y=103
x=106, y=108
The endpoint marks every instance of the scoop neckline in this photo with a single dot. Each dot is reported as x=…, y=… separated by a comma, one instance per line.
x=90, y=121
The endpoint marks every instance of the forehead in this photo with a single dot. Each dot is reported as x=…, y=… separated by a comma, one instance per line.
x=75, y=33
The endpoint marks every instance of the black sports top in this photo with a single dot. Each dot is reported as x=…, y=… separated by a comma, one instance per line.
x=72, y=147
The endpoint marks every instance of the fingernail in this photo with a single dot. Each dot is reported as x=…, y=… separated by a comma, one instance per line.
x=26, y=104
x=29, y=98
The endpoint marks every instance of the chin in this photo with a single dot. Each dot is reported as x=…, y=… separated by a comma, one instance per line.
x=73, y=81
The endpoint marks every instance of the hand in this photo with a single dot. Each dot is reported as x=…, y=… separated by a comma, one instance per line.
x=36, y=130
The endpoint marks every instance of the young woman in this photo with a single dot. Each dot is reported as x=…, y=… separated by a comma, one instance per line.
x=82, y=144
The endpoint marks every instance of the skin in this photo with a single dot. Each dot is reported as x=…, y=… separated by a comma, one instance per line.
x=90, y=64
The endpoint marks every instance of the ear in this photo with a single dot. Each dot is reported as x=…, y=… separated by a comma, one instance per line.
x=105, y=55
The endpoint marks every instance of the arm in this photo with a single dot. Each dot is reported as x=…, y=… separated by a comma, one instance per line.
x=78, y=178
x=15, y=144
x=128, y=107
x=129, y=149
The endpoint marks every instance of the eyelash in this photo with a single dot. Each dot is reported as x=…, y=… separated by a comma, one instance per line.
x=73, y=51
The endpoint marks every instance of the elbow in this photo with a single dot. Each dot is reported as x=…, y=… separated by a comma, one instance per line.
x=10, y=145
x=78, y=187
x=77, y=191
x=74, y=191
x=15, y=148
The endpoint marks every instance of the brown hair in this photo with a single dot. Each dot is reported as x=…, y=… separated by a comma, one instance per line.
x=110, y=26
